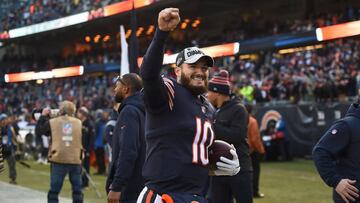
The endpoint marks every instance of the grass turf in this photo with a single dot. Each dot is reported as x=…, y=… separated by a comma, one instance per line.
x=282, y=182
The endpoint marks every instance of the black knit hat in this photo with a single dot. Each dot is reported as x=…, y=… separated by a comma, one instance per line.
x=220, y=83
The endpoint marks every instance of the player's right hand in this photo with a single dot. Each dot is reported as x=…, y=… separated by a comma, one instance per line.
x=168, y=19
x=228, y=167
x=347, y=191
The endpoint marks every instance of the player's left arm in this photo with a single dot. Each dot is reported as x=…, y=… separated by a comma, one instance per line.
x=333, y=143
x=156, y=92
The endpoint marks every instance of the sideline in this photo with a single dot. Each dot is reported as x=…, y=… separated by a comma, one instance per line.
x=19, y=194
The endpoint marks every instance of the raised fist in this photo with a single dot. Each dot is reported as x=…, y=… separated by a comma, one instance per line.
x=168, y=19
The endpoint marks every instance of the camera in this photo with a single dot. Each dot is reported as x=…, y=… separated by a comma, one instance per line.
x=36, y=113
x=54, y=113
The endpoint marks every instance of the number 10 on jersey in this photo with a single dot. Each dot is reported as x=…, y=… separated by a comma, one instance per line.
x=204, y=137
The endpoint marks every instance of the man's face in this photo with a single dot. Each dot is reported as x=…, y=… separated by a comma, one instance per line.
x=106, y=115
x=194, y=76
x=119, y=91
x=211, y=96
x=79, y=115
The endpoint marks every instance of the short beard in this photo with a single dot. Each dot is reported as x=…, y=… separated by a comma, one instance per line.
x=185, y=81
x=118, y=98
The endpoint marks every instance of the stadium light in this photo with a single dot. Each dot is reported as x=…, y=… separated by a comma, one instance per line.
x=128, y=33
x=124, y=6
x=228, y=49
x=183, y=25
x=97, y=38
x=139, y=31
x=246, y=56
x=150, y=30
x=297, y=49
x=54, y=73
x=195, y=23
x=106, y=38
x=338, y=31
x=87, y=39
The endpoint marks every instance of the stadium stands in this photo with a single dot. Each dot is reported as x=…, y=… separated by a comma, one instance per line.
x=14, y=14
x=327, y=73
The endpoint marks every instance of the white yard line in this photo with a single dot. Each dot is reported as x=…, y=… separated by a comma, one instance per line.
x=18, y=194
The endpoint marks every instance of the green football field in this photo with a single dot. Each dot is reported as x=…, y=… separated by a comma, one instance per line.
x=282, y=182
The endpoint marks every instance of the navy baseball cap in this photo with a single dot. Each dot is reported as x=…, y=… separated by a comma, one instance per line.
x=192, y=55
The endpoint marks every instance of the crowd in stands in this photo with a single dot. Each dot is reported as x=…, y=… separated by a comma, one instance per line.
x=19, y=63
x=326, y=74
x=93, y=92
x=330, y=73
x=14, y=14
x=260, y=25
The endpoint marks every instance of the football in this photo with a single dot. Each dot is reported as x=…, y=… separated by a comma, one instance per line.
x=218, y=149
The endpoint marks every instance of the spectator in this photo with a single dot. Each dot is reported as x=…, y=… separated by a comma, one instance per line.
x=125, y=180
x=88, y=135
x=256, y=150
x=102, y=117
x=9, y=142
x=231, y=121
x=336, y=157
x=65, y=153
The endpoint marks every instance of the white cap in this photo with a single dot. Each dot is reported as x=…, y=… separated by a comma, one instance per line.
x=192, y=55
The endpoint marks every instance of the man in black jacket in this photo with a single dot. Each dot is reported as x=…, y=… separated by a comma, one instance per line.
x=337, y=159
x=125, y=181
x=230, y=124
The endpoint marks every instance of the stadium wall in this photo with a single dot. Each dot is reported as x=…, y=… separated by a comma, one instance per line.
x=305, y=124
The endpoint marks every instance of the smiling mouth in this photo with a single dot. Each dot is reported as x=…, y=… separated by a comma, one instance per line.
x=198, y=78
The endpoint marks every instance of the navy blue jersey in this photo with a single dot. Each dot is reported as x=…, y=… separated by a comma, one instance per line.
x=336, y=155
x=178, y=129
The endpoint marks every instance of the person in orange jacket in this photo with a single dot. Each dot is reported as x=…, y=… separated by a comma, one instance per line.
x=256, y=150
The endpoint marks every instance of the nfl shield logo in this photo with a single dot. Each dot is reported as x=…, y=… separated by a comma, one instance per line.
x=67, y=128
